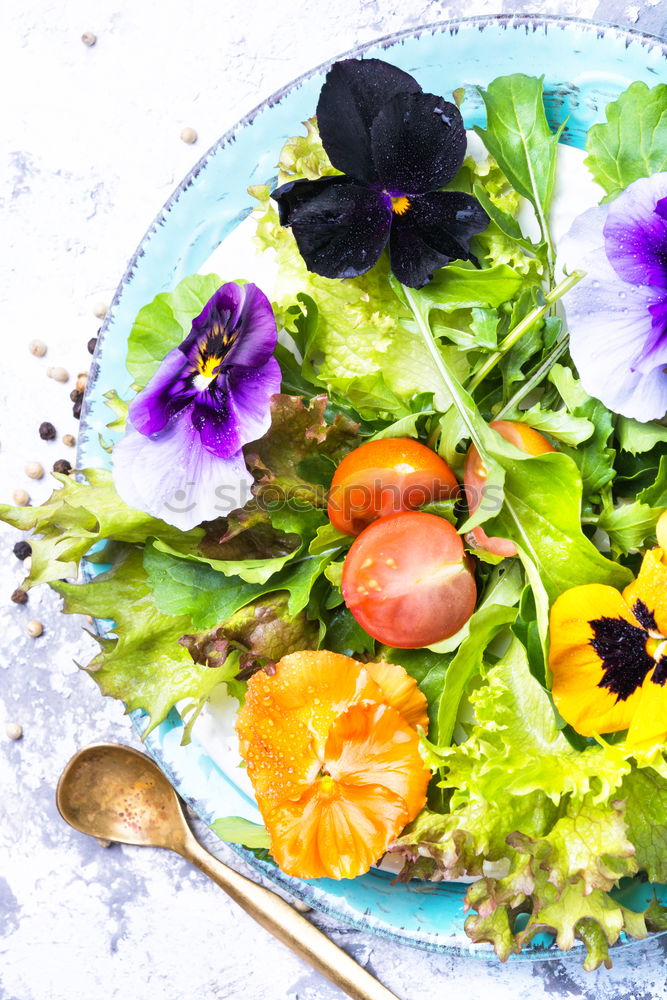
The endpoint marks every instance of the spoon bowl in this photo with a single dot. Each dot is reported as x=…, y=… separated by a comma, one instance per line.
x=117, y=793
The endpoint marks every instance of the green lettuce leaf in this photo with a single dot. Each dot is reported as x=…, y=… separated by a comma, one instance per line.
x=145, y=666
x=165, y=322
x=78, y=516
x=644, y=792
x=632, y=143
x=235, y=830
x=541, y=515
x=182, y=587
x=543, y=824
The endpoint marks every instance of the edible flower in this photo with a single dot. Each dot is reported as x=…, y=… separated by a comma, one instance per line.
x=333, y=755
x=395, y=146
x=617, y=315
x=608, y=656
x=181, y=458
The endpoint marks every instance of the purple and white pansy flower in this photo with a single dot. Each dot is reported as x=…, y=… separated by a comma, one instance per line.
x=617, y=315
x=181, y=458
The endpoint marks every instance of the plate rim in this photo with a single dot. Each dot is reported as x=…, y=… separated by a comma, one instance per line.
x=318, y=898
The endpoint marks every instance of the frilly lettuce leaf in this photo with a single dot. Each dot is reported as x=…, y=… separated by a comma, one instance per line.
x=79, y=515
x=644, y=792
x=545, y=825
x=145, y=666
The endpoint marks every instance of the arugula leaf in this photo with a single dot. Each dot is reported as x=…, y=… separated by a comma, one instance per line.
x=558, y=424
x=655, y=495
x=638, y=438
x=459, y=286
x=632, y=143
x=520, y=140
x=629, y=525
x=165, y=322
x=144, y=666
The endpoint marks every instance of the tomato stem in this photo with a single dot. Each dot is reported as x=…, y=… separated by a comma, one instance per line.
x=526, y=324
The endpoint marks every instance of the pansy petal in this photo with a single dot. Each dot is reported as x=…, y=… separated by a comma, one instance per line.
x=353, y=93
x=339, y=834
x=236, y=327
x=374, y=745
x=340, y=228
x=577, y=669
x=649, y=723
x=419, y=142
x=256, y=331
x=435, y=230
x=220, y=315
x=236, y=408
x=296, y=195
x=166, y=394
x=610, y=323
x=172, y=476
x=400, y=691
x=636, y=233
x=650, y=588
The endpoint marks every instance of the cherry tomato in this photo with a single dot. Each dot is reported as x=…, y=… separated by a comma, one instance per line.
x=474, y=477
x=407, y=580
x=386, y=477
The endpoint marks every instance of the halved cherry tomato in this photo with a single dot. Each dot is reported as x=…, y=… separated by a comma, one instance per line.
x=386, y=477
x=407, y=580
x=474, y=478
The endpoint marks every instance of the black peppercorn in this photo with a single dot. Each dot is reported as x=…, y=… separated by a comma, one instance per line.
x=62, y=466
x=22, y=550
x=76, y=395
x=19, y=596
x=92, y=344
x=76, y=411
x=47, y=431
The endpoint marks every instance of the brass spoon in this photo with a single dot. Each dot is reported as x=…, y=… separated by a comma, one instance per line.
x=117, y=793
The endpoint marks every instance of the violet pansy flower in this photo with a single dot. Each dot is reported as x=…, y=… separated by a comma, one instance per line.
x=181, y=458
x=395, y=146
x=617, y=314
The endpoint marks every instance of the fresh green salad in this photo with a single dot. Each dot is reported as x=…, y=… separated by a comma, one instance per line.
x=409, y=507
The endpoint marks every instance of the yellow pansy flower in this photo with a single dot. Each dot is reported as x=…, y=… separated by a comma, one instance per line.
x=608, y=656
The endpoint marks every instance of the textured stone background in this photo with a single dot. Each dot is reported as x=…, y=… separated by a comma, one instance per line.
x=90, y=150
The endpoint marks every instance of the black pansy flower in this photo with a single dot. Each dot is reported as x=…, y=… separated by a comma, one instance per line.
x=396, y=146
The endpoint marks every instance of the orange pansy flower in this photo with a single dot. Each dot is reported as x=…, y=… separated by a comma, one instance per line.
x=333, y=755
x=608, y=656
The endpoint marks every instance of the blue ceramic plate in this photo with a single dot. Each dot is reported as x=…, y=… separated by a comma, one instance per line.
x=585, y=66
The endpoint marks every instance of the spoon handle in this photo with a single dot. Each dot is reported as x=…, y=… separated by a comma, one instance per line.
x=290, y=927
